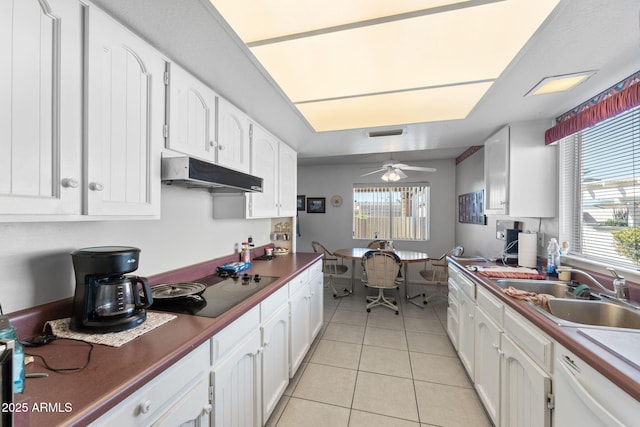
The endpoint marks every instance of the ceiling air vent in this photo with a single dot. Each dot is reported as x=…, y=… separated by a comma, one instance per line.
x=389, y=132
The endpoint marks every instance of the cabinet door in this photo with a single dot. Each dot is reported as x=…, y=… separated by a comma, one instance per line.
x=191, y=409
x=466, y=333
x=496, y=172
x=125, y=109
x=233, y=137
x=191, y=111
x=299, y=338
x=264, y=163
x=236, y=386
x=524, y=390
x=275, y=360
x=287, y=177
x=316, y=312
x=487, y=356
x=40, y=106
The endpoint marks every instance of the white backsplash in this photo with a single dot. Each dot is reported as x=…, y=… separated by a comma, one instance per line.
x=35, y=266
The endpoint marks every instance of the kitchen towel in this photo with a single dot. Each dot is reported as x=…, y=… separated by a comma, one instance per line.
x=527, y=249
x=60, y=328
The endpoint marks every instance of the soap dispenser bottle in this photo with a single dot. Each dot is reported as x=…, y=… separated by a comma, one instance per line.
x=553, y=257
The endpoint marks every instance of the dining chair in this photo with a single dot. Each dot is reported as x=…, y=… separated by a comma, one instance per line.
x=374, y=244
x=382, y=269
x=436, y=273
x=331, y=267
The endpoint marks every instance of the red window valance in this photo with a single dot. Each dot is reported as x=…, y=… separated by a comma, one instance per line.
x=615, y=100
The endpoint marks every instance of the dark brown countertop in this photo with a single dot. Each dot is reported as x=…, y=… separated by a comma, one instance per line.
x=616, y=369
x=115, y=373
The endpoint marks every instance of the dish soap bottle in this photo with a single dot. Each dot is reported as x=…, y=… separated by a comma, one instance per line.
x=553, y=257
x=245, y=255
x=8, y=331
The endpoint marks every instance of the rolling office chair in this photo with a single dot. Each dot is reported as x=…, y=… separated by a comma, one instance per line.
x=382, y=269
x=331, y=267
x=436, y=273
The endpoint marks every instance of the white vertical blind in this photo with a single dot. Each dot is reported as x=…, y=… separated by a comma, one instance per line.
x=393, y=211
x=600, y=191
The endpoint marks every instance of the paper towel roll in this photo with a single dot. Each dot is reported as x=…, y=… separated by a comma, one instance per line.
x=527, y=249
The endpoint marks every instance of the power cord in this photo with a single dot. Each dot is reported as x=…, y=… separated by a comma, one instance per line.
x=46, y=365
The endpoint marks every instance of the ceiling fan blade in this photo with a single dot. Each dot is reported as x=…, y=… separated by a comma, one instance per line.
x=417, y=168
x=401, y=174
x=376, y=171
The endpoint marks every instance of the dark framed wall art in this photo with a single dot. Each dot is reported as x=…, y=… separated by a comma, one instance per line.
x=301, y=203
x=316, y=204
x=471, y=208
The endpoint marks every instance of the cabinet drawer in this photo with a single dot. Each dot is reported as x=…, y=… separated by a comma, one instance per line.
x=490, y=305
x=299, y=281
x=274, y=302
x=537, y=345
x=150, y=402
x=453, y=289
x=453, y=306
x=226, y=340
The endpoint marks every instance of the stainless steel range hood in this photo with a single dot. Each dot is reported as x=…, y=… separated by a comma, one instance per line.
x=195, y=173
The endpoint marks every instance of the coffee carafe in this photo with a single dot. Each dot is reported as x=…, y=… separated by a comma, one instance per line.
x=105, y=299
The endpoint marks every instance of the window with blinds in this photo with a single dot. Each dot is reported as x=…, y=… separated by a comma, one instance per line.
x=391, y=212
x=600, y=191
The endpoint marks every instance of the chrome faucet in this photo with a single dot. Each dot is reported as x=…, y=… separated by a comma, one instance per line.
x=590, y=277
x=619, y=285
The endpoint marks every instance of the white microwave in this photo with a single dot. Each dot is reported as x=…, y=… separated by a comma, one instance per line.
x=6, y=382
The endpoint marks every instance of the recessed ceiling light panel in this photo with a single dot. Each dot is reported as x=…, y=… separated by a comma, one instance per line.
x=559, y=83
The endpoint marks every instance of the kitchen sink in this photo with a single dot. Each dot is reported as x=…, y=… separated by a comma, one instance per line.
x=555, y=288
x=595, y=313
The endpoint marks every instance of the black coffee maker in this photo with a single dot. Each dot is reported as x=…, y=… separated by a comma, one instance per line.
x=105, y=299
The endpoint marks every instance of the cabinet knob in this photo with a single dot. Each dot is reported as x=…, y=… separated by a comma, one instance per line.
x=212, y=143
x=70, y=183
x=145, y=407
x=220, y=147
x=266, y=344
x=96, y=186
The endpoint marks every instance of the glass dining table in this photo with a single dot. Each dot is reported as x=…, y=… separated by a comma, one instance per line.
x=407, y=257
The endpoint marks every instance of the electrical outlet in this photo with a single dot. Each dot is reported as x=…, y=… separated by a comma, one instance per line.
x=541, y=239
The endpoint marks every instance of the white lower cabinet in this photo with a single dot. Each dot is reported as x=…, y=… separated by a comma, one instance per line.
x=236, y=385
x=178, y=396
x=316, y=299
x=466, y=332
x=300, y=341
x=488, y=357
x=508, y=359
x=525, y=389
x=275, y=359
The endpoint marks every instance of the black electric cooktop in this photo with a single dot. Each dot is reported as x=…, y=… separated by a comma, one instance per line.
x=219, y=295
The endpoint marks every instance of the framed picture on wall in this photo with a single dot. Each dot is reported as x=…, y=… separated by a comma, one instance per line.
x=301, y=203
x=316, y=204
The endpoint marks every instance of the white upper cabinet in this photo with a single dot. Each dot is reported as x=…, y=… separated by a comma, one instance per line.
x=40, y=107
x=276, y=163
x=288, y=177
x=191, y=114
x=233, y=137
x=125, y=116
x=264, y=164
x=520, y=172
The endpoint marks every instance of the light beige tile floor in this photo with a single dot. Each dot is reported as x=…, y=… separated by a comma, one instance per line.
x=380, y=369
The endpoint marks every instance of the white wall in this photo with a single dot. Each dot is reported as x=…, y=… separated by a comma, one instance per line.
x=481, y=239
x=334, y=228
x=35, y=266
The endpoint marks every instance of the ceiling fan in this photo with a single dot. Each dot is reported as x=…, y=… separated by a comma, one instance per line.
x=394, y=171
